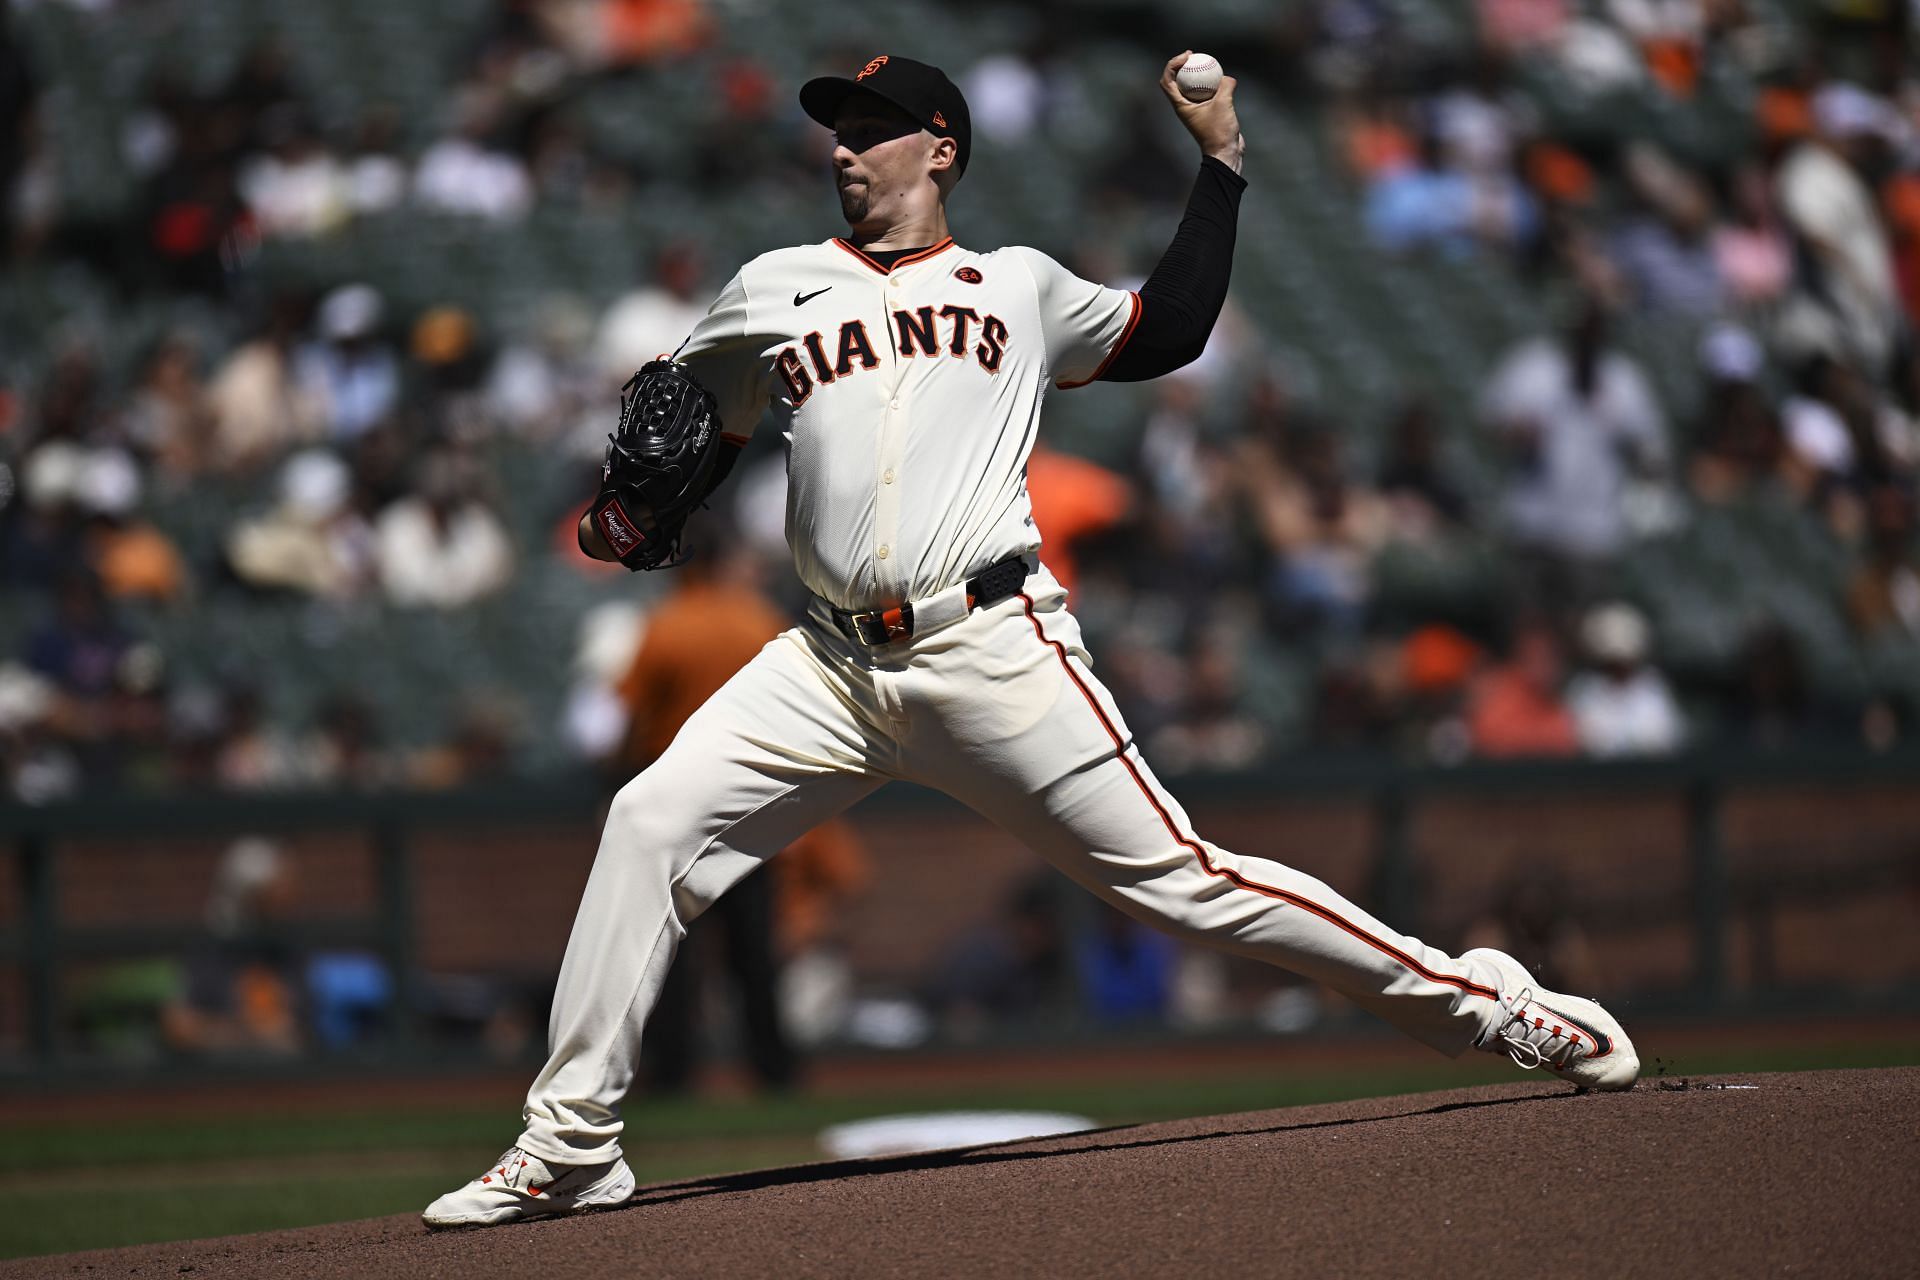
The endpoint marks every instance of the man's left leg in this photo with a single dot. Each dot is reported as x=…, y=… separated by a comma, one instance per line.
x=1068, y=780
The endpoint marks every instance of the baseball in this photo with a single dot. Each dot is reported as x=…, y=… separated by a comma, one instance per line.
x=1198, y=77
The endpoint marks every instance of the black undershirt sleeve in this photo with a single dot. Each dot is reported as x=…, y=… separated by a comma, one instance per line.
x=1182, y=298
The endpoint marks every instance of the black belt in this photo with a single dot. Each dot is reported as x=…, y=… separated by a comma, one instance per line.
x=885, y=626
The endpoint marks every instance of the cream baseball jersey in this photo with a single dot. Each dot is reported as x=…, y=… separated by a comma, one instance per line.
x=909, y=397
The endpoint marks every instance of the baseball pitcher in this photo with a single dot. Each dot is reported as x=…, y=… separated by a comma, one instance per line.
x=906, y=373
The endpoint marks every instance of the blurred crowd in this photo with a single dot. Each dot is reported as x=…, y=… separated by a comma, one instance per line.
x=1706, y=171
x=1253, y=585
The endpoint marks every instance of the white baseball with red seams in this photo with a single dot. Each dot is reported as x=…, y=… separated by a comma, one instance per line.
x=1198, y=77
x=909, y=397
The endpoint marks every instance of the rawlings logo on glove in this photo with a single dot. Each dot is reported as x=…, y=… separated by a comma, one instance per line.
x=619, y=531
x=660, y=465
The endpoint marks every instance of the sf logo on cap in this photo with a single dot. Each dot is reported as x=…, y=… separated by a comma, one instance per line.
x=872, y=67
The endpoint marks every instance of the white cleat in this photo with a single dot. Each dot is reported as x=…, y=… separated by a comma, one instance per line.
x=520, y=1185
x=1572, y=1037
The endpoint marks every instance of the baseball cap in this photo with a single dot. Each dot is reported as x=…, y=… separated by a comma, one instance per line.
x=920, y=90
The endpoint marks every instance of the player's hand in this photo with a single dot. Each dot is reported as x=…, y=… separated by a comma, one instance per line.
x=1214, y=124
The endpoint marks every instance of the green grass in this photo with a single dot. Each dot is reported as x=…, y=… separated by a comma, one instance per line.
x=182, y=1204
x=173, y=1179
x=47, y=1222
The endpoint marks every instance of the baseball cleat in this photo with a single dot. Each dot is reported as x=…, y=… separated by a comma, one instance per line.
x=520, y=1185
x=1574, y=1038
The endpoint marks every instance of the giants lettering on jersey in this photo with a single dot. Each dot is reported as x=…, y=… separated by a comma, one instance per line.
x=959, y=333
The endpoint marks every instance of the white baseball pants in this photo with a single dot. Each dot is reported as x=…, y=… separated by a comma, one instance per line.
x=999, y=711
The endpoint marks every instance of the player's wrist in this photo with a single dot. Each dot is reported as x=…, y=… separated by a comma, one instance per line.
x=591, y=543
x=1229, y=155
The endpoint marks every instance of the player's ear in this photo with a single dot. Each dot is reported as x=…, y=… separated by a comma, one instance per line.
x=945, y=154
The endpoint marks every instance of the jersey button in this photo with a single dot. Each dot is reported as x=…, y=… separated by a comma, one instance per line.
x=894, y=281
x=893, y=404
x=882, y=553
x=887, y=475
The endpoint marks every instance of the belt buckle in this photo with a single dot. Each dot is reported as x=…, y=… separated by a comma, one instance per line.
x=884, y=626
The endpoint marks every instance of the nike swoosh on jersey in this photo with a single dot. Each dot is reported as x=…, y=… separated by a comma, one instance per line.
x=801, y=299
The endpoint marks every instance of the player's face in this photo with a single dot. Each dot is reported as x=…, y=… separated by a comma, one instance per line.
x=879, y=153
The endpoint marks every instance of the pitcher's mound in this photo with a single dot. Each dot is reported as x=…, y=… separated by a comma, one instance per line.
x=1813, y=1173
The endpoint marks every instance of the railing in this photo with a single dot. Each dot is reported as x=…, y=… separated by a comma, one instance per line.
x=1392, y=794
x=386, y=818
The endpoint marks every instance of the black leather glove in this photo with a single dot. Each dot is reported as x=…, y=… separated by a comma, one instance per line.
x=659, y=466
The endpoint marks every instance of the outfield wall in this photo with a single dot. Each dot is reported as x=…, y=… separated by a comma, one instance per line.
x=1709, y=884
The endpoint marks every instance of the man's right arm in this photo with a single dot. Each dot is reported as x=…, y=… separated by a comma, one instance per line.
x=1181, y=300
x=1096, y=334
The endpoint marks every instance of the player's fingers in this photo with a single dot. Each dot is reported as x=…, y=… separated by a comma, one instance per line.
x=1171, y=86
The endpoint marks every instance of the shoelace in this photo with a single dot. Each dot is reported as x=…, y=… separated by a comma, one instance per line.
x=507, y=1168
x=1535, y=1046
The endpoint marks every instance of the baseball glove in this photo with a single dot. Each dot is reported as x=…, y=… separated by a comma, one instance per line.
x=659, y=467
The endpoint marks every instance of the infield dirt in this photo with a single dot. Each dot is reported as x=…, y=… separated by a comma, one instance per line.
x=1804, y=1174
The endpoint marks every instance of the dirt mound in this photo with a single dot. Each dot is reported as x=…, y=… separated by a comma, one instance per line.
x=1808, y=1173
